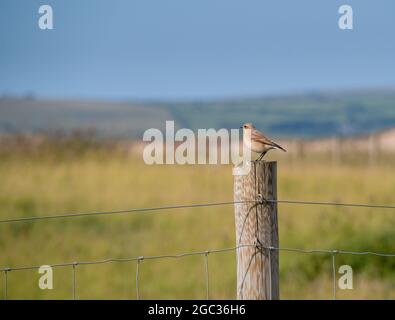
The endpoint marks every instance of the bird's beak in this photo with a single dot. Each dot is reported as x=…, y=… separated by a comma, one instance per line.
x=241, y=127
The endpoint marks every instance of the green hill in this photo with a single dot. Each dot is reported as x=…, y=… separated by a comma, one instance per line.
x=315, y=114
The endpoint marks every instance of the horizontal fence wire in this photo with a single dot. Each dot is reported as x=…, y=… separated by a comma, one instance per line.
x=196, y=205
x=195, y=253
x=340, y=204
x=135, y=210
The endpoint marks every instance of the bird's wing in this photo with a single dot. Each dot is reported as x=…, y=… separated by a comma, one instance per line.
x=259, y=136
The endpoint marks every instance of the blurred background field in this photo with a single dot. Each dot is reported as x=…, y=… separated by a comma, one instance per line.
x=75, y=101
x=71, y=175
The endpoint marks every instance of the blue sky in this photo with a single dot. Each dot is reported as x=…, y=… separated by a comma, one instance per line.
x=146, y=49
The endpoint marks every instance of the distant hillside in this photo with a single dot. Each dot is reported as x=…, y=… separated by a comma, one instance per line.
x=304, y=115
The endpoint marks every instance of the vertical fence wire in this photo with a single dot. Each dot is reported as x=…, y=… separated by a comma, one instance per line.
x=270, y=272
x=74, y=280
x=5, y=284
x=246, y=272
x=207, y=275
x=334, y=273
x=139, y=259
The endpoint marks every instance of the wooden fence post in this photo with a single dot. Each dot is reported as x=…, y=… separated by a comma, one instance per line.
x=257, y=225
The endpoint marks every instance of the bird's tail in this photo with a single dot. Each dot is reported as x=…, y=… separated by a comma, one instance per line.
x=279, y=147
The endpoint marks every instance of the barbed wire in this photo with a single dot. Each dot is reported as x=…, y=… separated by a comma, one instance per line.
x=196, y=205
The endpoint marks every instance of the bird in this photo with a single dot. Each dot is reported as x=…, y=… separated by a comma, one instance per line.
x=257, y=142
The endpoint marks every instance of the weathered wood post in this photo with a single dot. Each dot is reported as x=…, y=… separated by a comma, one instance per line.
x=257, y=232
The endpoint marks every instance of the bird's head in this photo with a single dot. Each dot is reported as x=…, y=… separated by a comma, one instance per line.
x=247, y=126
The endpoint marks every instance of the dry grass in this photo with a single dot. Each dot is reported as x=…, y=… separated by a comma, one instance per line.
x=45, y=184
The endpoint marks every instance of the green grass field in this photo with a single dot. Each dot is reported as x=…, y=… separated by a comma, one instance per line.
x=49, y=182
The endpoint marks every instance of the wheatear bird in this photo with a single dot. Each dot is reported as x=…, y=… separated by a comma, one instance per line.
x=257, y=142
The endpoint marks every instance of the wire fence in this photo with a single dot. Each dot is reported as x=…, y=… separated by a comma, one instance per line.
x=205, y=253
x=195, y=205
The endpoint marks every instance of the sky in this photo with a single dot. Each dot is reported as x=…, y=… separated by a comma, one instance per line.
x=183, y=49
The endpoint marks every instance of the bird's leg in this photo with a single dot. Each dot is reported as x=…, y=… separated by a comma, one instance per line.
x=261, y=156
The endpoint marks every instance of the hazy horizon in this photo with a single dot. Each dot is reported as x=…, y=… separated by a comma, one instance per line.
x=228, y=98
